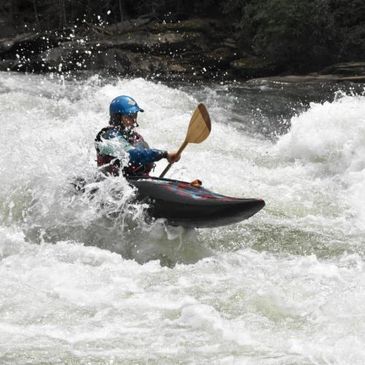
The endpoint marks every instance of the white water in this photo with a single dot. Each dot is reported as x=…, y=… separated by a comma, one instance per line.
x=80, y=284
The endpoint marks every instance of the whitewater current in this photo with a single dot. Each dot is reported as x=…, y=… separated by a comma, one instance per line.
x=86, y=279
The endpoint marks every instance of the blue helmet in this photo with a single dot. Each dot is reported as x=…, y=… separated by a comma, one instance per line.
x=124, y=105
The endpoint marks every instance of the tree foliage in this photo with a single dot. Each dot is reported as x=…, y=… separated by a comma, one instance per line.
x=302, y=34
x=50, y=14
x=294, y=31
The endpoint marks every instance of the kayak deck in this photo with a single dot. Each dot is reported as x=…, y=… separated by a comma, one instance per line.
x=182, y=204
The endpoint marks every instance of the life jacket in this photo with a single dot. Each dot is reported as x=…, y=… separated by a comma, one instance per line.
x=112, y=165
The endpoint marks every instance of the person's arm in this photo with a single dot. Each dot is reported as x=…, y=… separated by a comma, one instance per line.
x=144, y=156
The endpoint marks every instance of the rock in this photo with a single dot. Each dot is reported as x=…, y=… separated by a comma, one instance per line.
x=177, y=68
x=123, y=27
x=66, y=58
x=27, y=44
x=346, y=69
x=199, y=25
x=113, y=61
x=222, y=55
x=142, y=41
x=8, y=65
x=193, y=49
x=312, y=78
x=342, y=72
x=187, y=49
x=230, y=43
x=252, y=67
x=6, y=44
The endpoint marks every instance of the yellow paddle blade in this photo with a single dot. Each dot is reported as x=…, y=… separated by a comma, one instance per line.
x=198, y=131
x=199, y=126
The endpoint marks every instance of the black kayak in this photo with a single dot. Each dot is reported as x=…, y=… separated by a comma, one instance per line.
x=183, y=204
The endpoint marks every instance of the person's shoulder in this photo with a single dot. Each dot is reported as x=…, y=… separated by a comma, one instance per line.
x=108, y=133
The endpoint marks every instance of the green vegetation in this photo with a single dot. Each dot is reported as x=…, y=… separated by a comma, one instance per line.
x=294, y=35
x=49, y=14
x=304, y=34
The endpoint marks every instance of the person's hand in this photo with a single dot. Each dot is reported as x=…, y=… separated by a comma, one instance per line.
x=173, y=157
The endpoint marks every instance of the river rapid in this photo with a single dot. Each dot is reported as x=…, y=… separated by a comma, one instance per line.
x=86, y=280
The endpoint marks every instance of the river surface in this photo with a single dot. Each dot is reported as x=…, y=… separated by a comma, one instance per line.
x=86, y=280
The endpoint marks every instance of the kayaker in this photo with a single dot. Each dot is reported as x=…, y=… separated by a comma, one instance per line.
x=120, y=149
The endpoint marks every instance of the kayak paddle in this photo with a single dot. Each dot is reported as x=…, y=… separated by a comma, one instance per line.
x=198, y=131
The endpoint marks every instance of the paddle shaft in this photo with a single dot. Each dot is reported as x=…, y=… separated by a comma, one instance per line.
x=182, y=147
